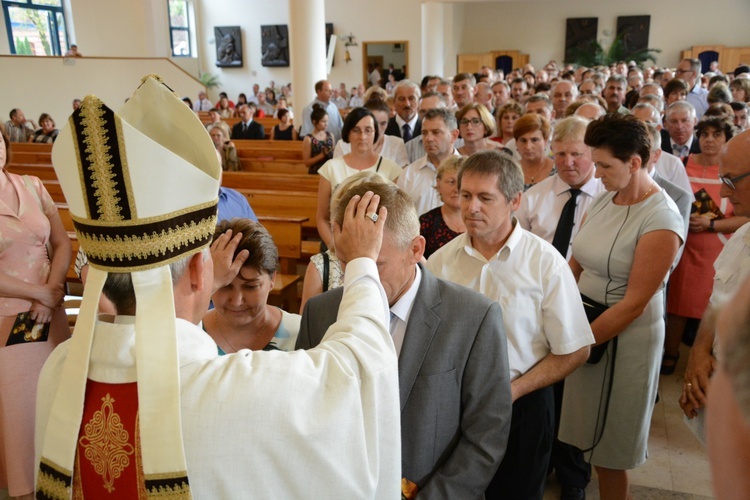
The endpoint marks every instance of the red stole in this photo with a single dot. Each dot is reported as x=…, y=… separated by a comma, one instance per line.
x=108, y=455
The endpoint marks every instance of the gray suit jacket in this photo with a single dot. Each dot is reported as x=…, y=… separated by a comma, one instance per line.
x=683, y=199
x=453, y=383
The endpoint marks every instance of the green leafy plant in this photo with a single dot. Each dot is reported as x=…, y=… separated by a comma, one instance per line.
x=209, y=80
x=594, y=54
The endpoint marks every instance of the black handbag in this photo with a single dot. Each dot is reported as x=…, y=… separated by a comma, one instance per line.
x=593, y=310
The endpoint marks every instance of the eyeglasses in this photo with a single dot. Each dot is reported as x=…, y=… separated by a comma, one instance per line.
x=680, y=71
x=359, y=131
x=730, y=181
x=473, y=121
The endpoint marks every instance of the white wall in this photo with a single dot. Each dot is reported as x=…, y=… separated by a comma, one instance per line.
x=51, y=83
x=139, y=28
x=113, y=28
x=538, y=28
x=382, y=20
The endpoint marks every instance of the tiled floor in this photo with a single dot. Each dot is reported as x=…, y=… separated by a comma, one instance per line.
x=677, y=467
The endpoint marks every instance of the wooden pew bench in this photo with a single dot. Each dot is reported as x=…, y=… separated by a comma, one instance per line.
x=43, y=171
x=30, y=147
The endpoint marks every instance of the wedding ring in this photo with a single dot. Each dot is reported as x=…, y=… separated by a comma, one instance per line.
x=373, y=216
x=689, y=385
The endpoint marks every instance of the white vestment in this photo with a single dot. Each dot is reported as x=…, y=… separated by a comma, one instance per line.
x=322, y=423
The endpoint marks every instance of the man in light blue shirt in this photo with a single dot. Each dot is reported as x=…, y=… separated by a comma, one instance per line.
x=335, y=123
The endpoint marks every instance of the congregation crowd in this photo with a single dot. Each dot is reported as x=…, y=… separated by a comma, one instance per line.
x=544, y=240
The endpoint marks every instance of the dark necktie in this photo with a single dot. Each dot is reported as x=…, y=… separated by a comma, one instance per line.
x=244, y=127
x=561, y=241
x=406, y=132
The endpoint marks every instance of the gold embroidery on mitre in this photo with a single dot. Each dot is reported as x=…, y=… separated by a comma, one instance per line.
x=141, y=247
x=97, y=151
x=105, y=443
x=52, y=481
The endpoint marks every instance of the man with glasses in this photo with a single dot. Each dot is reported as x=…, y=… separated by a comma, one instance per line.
x=732, y=267
x=439, y=134
x=690, y=71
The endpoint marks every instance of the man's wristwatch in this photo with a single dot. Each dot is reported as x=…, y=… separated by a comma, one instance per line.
x=711, y=228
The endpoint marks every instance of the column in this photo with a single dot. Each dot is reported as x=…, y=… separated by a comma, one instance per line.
x=433, y=46
x=307, y=50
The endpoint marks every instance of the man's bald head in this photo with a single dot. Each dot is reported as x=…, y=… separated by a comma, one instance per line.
x=733, y=163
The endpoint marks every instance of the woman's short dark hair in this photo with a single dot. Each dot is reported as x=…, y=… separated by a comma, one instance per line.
x=264, y=256
x=742, y=84
x=675, y=85
x=624, y=136
x=318, y=113
x=282, y=112
x=46, y=116
x=717, y=123
x=353, y=118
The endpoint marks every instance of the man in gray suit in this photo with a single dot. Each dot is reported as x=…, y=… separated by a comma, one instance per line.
x=453, y=361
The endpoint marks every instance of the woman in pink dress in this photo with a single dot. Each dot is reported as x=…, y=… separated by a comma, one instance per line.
x=711, y=225
x=31, y=284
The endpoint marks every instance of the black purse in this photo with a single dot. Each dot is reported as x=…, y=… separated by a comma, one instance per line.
x=593, y=310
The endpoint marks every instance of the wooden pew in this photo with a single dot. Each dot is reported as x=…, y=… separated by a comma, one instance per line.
x=287, y=235
x=271, y=182
x=24, y=157
x=30, y=147
x=270, y=166
x=43, y=171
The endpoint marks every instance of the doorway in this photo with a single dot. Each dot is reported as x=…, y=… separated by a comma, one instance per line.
x=389, y=56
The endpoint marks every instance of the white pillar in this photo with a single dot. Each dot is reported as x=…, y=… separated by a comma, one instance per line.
x=307, y=49
x=433, y=46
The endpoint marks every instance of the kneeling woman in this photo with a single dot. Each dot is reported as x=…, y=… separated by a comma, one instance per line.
x=241, y=318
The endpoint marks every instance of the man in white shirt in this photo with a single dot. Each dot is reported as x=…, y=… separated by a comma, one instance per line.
x=732, y=268
x=548, y=333
x=439, y=133
x=553, y=210
x=335, y=122
x=202, y=104
x=543, y=203
x=667, y=165
x=690, y=71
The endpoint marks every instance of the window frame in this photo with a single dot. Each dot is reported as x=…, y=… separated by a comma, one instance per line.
x=186, y=29
x=57, y=50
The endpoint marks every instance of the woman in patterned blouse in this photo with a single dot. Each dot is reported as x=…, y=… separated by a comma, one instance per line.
x=442, y=224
